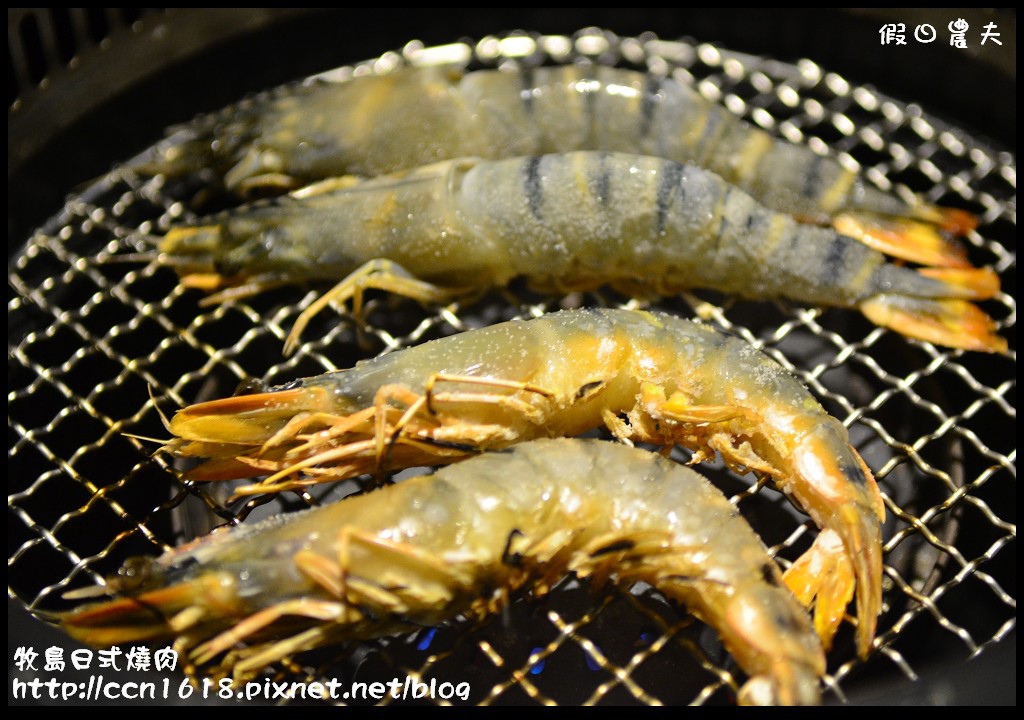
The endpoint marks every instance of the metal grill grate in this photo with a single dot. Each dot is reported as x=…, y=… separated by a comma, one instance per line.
x=95, y=347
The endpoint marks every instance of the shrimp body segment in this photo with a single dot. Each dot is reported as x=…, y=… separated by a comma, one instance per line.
x=377, y=124
x=576, y=220
x=645, y=377
x=420, y=552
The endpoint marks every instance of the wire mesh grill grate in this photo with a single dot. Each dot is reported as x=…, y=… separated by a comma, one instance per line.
x=96, y=346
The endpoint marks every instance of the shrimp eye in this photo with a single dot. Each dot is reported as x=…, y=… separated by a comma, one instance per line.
x=510, y=556
x=134, y=575
x=589, y=390
x=250, y=386
x=624, y=545
x=769, y=574
x=227, y=267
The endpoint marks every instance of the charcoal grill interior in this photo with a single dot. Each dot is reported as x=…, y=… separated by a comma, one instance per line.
x=90, y=338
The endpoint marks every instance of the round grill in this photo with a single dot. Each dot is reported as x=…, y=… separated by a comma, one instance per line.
x=102, y=343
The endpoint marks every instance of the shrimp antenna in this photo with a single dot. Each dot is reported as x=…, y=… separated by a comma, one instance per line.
x=163, y=418
x=143, y=438
x=145, y=257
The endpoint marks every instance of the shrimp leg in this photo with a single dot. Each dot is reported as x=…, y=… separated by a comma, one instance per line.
x=377, y=274
x=333, y=577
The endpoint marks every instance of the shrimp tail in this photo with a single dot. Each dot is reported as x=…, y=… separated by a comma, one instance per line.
x=965, y=283
x=846, y=503
x=823, y=577
x=913, y=240
x=956, y=221
x=933, y=304
x=950, y=322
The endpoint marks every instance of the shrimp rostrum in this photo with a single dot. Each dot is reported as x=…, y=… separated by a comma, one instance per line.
x=376, y=124
x=570, y=221
x=646, y=377
x=461, y=541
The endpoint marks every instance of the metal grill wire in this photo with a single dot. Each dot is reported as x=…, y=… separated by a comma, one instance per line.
x=99, y=349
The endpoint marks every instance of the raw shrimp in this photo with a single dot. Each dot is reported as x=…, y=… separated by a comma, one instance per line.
x=576, y=220
x=413, y=116
x=460, y=541
x=646, y=377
